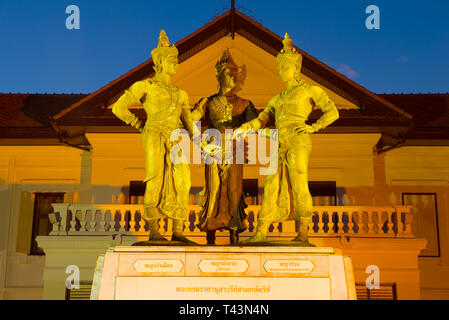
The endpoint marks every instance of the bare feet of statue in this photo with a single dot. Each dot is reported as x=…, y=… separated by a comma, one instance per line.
x=258, y=237
x=301, y=238
x=156, y=236
x=181, y=238
x=303, y=234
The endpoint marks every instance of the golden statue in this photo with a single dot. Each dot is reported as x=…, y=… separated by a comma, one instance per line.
x=223, y=205
x=167, y=184
x=286, y=193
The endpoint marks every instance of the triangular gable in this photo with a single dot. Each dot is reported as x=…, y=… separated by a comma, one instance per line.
x=96, y=104
x=196, y=75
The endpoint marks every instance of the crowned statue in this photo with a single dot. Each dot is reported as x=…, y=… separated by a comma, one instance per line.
x=286, y=192
x=223, y=202
x=167, y=183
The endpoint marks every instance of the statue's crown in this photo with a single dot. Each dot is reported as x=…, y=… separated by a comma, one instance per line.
x=288, y=51
x=225, y=60
x=164, y=49
x=226, y=57
x=163, y=40
x=288, y=45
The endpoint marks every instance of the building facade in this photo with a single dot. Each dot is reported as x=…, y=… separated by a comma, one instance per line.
x=70, y=173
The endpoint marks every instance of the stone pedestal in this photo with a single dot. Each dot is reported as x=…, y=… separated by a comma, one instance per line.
x=223, y=273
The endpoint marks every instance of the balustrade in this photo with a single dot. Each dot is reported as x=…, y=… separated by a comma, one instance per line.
x=351, y=221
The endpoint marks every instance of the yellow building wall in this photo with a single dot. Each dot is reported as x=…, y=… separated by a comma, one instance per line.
x=25, y=170
x=423, y=170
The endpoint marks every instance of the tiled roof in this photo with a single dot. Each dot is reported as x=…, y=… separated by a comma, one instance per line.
x=32, y=110
x=428, y=110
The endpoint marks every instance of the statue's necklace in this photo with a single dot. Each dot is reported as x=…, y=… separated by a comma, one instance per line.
x=170, y=92
x=225, y=108
x=286, y=93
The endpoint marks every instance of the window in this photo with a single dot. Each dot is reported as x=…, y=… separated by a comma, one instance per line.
x=250, y=189
x=41, y=221
x=324, y=193
x=136, y=192
x=425, y=220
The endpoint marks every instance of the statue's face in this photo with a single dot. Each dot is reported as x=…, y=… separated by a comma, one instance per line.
x=227, y=78
x=170, y=65
x=287, y=69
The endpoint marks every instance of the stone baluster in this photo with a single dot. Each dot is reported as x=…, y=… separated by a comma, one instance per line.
x=371, y=226
x=350, y=223
x=93, y=220
x=379, y=222
x=404, y=218
x=363, y=221
x=311, y=225
x=102, y=222
x=122, y=221
x=132, y=220
x=60, y=223
x=138, y=223
x=400, y=220
x=408, y=221
x=83, y=220
x=320, y=223
x=340, y=223
x=390, y=223
x=143, y=225
x=73, y=220
x=111, y=220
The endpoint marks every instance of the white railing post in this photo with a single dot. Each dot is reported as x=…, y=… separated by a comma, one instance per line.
x=92, y=220
x=340, y=223
x=390, y=224
x=73, y=220
x=122, y=221
x=350, y=223
x=404, y=227
x=102, y=227
x=59, y=223
x=319, y=222
x=132, y=220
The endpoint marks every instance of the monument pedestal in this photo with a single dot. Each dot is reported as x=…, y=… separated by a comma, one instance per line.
x=223, y=273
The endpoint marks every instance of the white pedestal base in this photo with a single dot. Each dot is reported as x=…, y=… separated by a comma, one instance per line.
x=223, y=273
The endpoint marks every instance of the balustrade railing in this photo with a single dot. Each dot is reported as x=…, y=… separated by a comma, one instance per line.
x=355, y=221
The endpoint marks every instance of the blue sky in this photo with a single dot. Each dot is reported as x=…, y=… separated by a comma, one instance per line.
x=410, y=52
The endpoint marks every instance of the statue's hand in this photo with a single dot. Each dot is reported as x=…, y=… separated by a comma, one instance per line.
x=304, y=129
x=139, y=126
x=210, y=149
x=241, y=130
x=200, y=104
x=203, y=145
